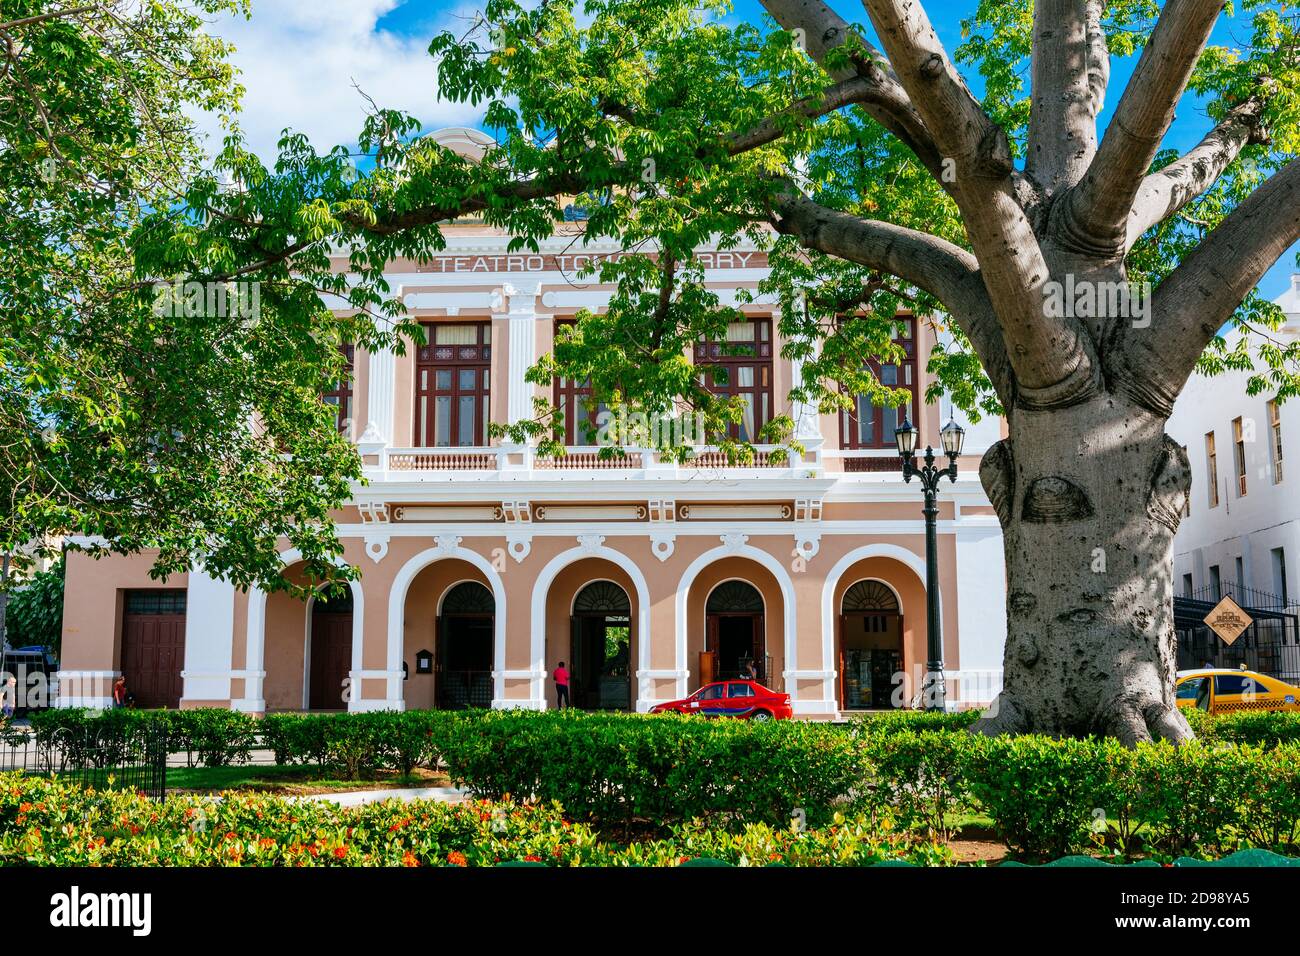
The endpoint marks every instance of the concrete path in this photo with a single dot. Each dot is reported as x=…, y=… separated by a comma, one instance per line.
x=353, y=798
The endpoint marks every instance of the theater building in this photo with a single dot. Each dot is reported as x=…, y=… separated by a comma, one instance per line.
x=483, y=564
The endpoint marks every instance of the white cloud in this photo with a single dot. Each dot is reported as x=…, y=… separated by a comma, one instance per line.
x=299, y=61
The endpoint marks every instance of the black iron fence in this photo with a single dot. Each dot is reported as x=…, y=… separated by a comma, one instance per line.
x=1270, y=645
x=90, y=758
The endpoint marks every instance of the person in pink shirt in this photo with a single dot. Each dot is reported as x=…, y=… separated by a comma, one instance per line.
x=562, y=685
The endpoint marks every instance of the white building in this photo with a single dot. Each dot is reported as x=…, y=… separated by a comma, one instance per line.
x=1242, y=536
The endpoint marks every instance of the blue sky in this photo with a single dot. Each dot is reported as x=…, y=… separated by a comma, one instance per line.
x=303, y=65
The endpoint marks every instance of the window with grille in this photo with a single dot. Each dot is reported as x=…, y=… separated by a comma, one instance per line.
x=453, y=378
x=154, y=601
x=867, y=425
x=741, y=366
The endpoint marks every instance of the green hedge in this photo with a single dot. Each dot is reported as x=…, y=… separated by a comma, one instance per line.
x=52, y=823
x=664, y=769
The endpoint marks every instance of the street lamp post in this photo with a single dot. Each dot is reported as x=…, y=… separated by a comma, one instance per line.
x=952, y=436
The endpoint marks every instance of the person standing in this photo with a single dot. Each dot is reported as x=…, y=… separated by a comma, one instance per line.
x=562, y=686
x=119, y=691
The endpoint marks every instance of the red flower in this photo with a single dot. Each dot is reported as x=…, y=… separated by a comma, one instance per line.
x=341, y=852
x=456, y=858
x=532, y=859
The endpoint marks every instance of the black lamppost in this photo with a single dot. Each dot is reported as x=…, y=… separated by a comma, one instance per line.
x=951, y=437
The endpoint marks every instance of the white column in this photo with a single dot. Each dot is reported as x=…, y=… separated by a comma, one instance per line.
x=381, y=394
x=209, y=638
x=522, y=348
x=981, y=607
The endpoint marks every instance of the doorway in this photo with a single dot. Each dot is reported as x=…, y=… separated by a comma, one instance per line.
x=464, y=643
x=330, y=654
x=871, y=648
x=735, y=632
x=601, y=648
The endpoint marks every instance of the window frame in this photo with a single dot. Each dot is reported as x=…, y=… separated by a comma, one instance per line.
x=850, y=437
x=431, y=358
x=1212, y=468
x=343, y=392
x=1239, y=454
x=710, y=355
x=1275, y=440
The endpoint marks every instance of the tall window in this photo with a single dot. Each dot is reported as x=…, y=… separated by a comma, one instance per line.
x=1239, y=566
x=1275, y=438
x=872, y=426
x=340, y=395
x=452, y=385
x=1212, y=469
x=1216, y=582
x=573, y=400
x=742, y=366
x=1187, y=585
x=1239, y=455
x=1279, y=576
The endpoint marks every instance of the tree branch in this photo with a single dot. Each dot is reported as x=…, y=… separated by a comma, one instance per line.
x=1151, y=364
x=1052, y=356
x=823, y=31
x=1097, y=209
x=1067, y=86
x=948, y=272
x=1165, y=192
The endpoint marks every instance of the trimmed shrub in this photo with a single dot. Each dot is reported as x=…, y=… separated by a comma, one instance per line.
x=1042, y=794
x=657, y=770
x=920, y=777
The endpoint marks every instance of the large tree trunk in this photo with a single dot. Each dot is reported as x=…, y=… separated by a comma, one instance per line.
x=1089, y=497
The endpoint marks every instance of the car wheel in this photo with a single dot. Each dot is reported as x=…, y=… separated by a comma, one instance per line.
x=761, y=715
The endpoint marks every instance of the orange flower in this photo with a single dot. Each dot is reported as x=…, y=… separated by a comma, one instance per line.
x=341, y=852
x=456, y=858
x=408, y=859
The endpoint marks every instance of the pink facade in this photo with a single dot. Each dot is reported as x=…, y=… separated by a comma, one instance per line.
x=492, y=565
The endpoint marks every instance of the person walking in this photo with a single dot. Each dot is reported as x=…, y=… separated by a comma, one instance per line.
x=562, y=686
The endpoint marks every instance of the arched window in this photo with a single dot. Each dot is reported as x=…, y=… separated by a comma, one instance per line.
x=870, y=596
x=602, y=597
x=734, y=597
x=469, y=597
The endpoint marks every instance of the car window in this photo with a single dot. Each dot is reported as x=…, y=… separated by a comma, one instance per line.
x=739, y=690
x=712, y=692
x=1237, y=684
x=1189, y=689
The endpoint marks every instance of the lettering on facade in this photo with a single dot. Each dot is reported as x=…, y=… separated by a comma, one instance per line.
x=577, y=262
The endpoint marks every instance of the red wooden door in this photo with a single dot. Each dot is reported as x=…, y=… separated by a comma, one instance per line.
x=331, y=659
x=153, y=653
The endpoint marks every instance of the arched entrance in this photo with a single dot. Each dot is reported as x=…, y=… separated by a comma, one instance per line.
x=735, y=635
x=463, y=639
x=601, y=648
x=871, y=646
x=329, y=652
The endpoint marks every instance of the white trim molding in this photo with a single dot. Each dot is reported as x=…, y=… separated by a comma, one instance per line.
x=448, y=546
x=590, y=546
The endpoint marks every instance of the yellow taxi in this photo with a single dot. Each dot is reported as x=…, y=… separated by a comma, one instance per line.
x=1221, y=690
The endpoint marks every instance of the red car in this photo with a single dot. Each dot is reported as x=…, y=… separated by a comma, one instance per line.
x=732, y=698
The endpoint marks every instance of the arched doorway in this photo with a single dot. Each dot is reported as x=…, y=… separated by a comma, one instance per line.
x=465, y=629
x=735, y=636
x=601, y=648
x=329, y=652
x=871, y=646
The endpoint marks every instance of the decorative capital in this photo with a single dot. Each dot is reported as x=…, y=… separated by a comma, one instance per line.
x=447, y=544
